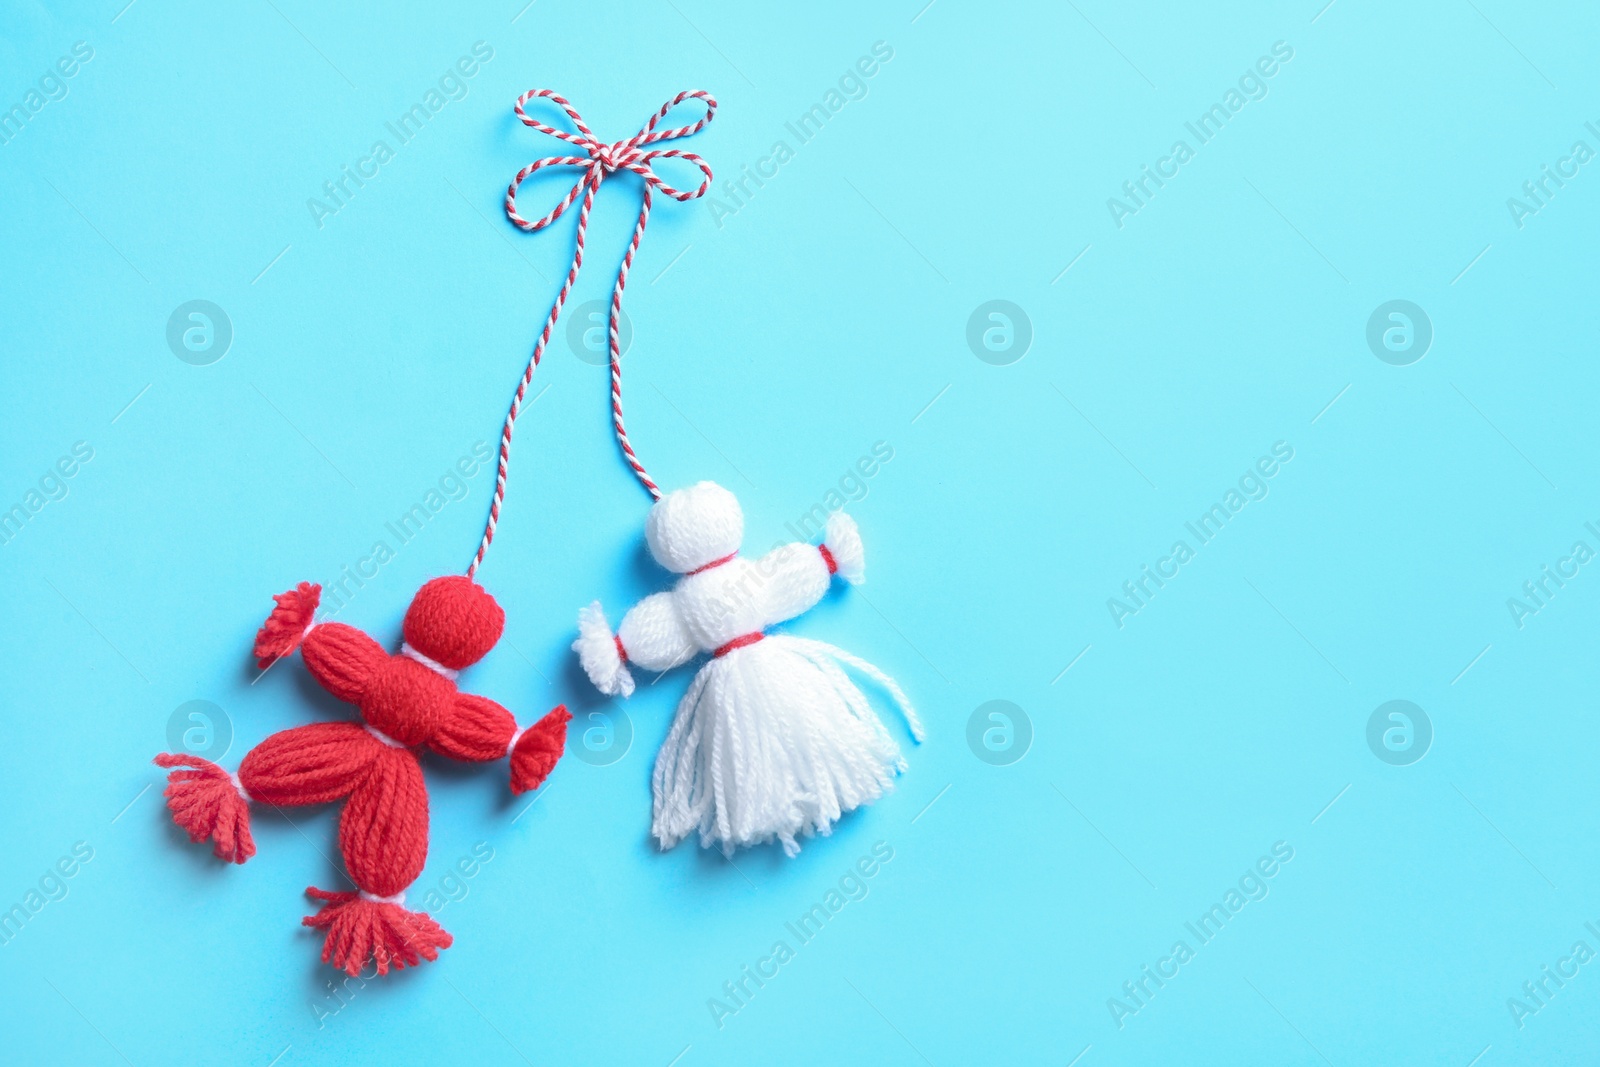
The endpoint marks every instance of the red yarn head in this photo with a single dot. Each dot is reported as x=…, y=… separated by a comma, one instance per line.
x=453, y=621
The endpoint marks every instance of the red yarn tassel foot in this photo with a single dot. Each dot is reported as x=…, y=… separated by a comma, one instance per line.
x=362, y=929
x=537, y=750
x=207, y=804
x=284, y=629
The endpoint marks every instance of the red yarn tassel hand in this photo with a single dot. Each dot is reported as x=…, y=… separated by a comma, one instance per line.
x=286, y=627
x=538, y=749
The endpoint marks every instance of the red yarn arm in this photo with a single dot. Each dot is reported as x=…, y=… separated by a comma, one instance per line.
x=342, y=658
x=309, y=764
x=474, y=728
x=383, y=832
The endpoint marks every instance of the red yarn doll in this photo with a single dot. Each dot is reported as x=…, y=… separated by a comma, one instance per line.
x=407, y=702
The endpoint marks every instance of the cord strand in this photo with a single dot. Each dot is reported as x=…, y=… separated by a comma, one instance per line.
x=504, y=464
x=616, y=353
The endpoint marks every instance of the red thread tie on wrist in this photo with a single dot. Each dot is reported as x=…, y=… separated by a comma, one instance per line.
x=622, y=652
x=827, y=557
x=599, y=162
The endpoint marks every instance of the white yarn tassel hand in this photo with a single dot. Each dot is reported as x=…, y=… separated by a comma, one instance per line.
x=596, y=647
x=843, y=539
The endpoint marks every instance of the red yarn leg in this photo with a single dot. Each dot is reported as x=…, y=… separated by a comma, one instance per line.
x=384, y=830
x=310, y=764
x=205, y=801
x=307, y=765
x=383, y=835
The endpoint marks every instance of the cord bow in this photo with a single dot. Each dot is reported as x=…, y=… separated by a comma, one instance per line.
x=604, y=159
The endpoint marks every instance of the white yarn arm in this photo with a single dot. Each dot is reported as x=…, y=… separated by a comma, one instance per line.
x=796, y=576
x=653, y=634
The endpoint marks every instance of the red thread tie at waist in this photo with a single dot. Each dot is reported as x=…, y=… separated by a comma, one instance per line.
x=827, y=557
x=738, y=642
x=714, y=563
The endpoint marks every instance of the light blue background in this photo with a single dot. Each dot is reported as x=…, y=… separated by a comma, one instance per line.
x=824, y=316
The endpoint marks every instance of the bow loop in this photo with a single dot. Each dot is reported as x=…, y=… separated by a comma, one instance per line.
x=584, y=134
x=656, y=182
x=566, y=202
x=650, y=135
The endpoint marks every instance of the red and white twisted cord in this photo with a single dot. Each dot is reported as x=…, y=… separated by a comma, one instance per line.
x=601, y=161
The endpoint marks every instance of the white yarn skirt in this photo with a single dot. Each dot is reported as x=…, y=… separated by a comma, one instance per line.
x=771, y=741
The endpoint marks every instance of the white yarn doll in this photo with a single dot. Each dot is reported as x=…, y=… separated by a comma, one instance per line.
x=772, y=739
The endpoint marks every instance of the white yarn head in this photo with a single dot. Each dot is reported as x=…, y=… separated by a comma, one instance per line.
x=689, y=528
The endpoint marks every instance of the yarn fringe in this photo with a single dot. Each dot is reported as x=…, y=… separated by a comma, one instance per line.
x=208, y=805
x=773, y=742
x=537, y=750
x=286, y=627
x=362, y=930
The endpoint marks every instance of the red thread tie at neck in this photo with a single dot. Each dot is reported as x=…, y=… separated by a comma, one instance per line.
x=714, y=563
x=738, y=642
x=433, y=665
